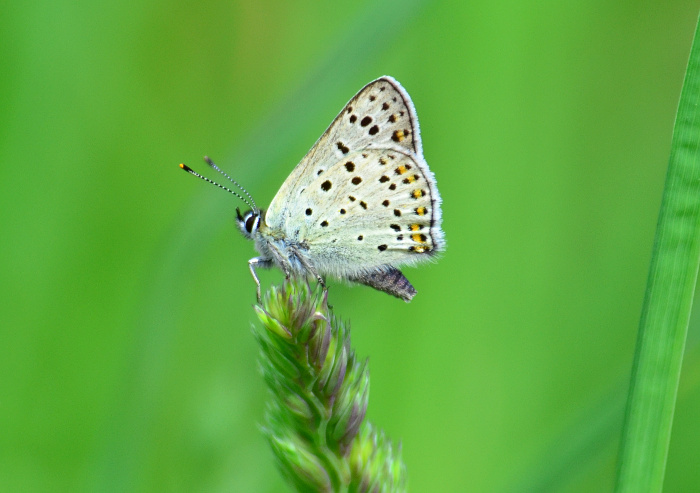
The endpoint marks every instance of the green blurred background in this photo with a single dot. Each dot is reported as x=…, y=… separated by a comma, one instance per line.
x=126, y=355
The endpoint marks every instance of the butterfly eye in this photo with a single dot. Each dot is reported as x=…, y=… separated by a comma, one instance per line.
x=251, y=222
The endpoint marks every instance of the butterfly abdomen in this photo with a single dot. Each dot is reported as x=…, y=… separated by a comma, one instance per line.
x=387, y=279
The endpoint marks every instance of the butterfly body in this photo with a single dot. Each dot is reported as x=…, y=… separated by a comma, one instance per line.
x=361, y=203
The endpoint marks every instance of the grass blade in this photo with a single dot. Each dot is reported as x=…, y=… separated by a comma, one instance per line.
x=668, y=300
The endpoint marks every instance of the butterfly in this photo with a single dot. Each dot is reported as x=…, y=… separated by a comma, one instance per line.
x=359, y=205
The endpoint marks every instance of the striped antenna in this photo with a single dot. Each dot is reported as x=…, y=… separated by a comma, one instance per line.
x=211, y=163
x=192, y=172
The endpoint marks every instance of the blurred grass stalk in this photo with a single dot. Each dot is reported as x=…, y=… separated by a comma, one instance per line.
x=315, y=417
x=667, y=302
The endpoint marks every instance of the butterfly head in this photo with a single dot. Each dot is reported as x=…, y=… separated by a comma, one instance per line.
x=249, y=222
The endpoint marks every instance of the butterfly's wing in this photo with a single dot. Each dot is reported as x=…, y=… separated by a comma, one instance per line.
x=381, y=115
x=374, y=209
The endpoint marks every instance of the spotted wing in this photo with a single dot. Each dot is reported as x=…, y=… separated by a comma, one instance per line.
x=375, y=208
x=381, y=115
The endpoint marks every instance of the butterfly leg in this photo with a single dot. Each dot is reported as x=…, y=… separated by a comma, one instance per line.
x=309, y=268
x=253, y=264
x=280, y=259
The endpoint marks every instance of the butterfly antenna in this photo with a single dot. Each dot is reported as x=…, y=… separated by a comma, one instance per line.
x=211, y=163
x=192, y=172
